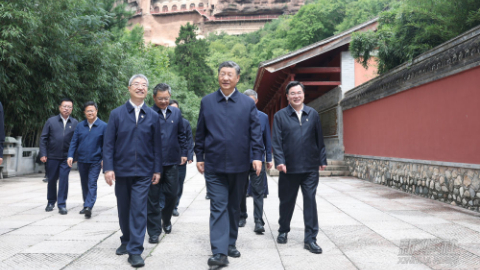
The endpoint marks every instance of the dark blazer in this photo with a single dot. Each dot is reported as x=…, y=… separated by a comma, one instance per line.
x=174, y=145
x=299, y=146
x=189, y=138
x=88, y=143
x=266, y=142
x=55, y=139
x=2, y=131
x=226, y=131
x=133, y=149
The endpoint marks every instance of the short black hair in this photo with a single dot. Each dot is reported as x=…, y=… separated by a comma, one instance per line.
x=293, y=84
x=174, y=101
x=90, y=103
x=162, y=87
x=65, y=99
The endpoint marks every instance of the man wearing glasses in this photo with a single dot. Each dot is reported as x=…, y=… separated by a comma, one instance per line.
x=132, y=158
x=174, y=152
x=299, y=154
x=54, y=143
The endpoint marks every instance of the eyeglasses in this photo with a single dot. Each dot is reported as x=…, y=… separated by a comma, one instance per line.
x=67, y=107
x=292, y=94
x=90, y=111
x=138, y=85
x=163, y=99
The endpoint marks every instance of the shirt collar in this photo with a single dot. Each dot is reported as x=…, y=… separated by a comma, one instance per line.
x=131, y=106
x=135, y=106
x=92, y=123
x=229, y=97
x=292, y=110
x=63, y=119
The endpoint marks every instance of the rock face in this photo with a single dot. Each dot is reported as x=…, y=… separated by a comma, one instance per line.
x=256, y=7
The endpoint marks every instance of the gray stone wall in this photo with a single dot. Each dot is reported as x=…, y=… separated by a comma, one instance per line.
x=454, y=185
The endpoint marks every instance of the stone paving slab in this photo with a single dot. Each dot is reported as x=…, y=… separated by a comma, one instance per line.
x=361, y=226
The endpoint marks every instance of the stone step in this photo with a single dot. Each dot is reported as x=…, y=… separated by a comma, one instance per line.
x=336, y=162
x=337, y=168
x=334, y=173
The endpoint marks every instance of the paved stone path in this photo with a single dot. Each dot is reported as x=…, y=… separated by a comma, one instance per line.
x=362, y=226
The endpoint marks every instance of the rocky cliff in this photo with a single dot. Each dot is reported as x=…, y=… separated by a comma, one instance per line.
x=256, y=7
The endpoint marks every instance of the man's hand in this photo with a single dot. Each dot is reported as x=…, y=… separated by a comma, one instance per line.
x=257, y=166
x=322, y=168
x=70, y=162
x=184, y=159
x=156, y=178
x=43, y=159
x=110, y=177
x=269, y=165
x=201, y=167
x=1, y=161
x=282, y=168
x=101, y=164
x=190, y=161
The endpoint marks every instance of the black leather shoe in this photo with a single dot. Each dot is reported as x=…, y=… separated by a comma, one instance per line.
x=153, y=239
x=136, y=260
x=282, y=238
x=264, y=196
x=207, y=198
x=62, y=210
x=121, y=250
x=82, y=212
x=259, y=228
x=242, y=222
x=218, y=260
x=167, y=228
x=175, y=213
x=88, y=212
x=45, y=180
x=49, y=207
x=313, y=247
x=233, y=252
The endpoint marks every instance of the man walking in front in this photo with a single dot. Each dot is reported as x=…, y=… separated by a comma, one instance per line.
x=257, y=182
x=2, y=133
x=227, y=128
x=132, y=158
x=54, y=143
x=174, y=153
x=87, y=145
x=299, y=153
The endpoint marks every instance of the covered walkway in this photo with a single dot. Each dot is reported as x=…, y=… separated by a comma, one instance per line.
x=362, y=226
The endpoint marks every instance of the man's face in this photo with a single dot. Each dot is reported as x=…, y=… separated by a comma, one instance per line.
x=174, y=105
x=296, y=96
x=228, y=78
x=90, y=113
x=255, y=100
x=162, y=99
x=66, y=108
x=138, y=89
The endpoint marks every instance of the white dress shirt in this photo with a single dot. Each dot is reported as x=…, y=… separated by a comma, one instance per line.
x=137, y=109
x=227, y=97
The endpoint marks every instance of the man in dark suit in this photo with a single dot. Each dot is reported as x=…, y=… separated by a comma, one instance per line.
x=54, y=143
x=87, y=146
x=227, y=128
x=174, y=153
x=299, y=153
x=2, y=133
x=257, y=182
x=132, y=157
x=182, y=169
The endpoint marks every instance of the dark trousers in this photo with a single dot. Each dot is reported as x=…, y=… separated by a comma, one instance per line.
x=258, y=188
x=161, y=209
x=89, y=173
x=288, y=185
x=225, y=191
x=265, y=186
x=57, y=169
x=132, y=194
x=182, y=172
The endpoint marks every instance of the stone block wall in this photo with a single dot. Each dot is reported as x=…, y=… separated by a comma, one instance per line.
x=450, y=184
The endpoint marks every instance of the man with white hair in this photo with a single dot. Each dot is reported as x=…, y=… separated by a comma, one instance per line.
x=132, y=157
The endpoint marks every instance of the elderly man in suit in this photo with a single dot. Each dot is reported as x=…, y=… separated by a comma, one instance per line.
x=299, y=153
x=227, y=128
x=87, y=145
x=132, y=157
x=54, y=143
x=174, y=152
x=257, y=182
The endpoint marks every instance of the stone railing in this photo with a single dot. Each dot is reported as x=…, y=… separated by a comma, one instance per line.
x=18, y=160
x=453, y=183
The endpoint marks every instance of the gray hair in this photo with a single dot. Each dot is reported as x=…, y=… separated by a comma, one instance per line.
x=229, y=64
x=137, y=76
x=162, y=87
x=251, y=93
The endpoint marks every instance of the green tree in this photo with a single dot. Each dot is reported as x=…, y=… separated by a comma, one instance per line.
x=412, y=27
x=361, y=11
x=190, y=61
